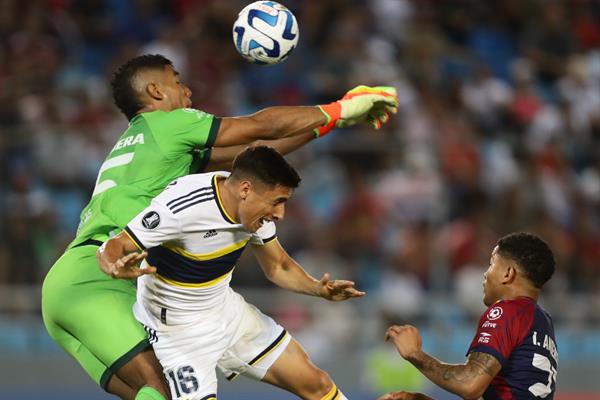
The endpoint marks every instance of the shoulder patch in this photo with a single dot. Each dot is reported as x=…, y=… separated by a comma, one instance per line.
x=494, y=313
x=151, y=220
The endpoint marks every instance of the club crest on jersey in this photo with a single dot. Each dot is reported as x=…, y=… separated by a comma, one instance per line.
x=494, y=313
x=151, y=220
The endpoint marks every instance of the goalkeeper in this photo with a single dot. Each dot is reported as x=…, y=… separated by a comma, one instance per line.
x=88, y=313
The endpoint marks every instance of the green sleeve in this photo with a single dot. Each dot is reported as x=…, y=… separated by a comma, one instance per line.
x=183, y=130
x=200, y=160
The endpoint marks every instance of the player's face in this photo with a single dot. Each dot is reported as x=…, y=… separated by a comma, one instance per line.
x=493, y=278
x=176, y=93
x=263, y=204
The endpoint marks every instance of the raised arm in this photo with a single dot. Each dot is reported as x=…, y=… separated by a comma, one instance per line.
x=361, y=104
x=222, y=157
x=119, y=257
x=286, y=273
x=468, y=380
x=268, y=124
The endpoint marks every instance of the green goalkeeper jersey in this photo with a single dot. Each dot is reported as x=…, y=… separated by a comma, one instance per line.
x=156, y=148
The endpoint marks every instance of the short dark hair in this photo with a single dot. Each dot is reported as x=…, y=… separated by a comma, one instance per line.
x=124, y=94
x=267, y=165
x=532, y=255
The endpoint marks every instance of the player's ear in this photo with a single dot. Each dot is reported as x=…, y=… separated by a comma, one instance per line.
x=245, y=188
x=153, y=90
x=510, y=274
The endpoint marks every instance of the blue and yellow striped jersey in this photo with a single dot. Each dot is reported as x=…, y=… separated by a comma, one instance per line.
x=192, y=241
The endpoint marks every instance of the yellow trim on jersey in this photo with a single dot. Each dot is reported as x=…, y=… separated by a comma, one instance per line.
x=206, y=256
x=270, y=351
x=133, y=240
x=332, y=394
x=220, y=203
x=194, y=285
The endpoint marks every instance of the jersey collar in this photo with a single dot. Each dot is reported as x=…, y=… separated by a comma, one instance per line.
x=220, y=206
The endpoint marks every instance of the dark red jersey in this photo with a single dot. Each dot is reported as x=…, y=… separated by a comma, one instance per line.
x=520, y=335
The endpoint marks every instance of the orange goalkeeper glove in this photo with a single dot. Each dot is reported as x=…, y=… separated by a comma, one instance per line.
x=361, y=104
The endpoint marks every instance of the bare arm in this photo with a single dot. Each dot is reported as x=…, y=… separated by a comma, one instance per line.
x=286, y=273
x=119, y=258
x=269, y=124
x=222, y=157
x=280, y=122
x=468, y=380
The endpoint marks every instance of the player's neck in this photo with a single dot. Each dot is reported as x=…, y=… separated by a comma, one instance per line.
x=154, y=107
x=228, y=200
x=146, y=109
x=521, y=291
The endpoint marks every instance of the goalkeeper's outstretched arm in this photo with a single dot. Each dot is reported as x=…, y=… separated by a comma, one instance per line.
x=361, y=104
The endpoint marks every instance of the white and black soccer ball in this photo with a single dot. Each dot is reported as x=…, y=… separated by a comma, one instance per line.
x=265, y=32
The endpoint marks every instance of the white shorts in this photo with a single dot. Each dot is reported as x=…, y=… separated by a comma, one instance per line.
x=237, y=338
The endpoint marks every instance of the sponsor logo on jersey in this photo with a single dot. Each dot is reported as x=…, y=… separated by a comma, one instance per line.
x=488, y=324
x=494, y=313
x=151, y=220
x=484, y=337
x=210, y=234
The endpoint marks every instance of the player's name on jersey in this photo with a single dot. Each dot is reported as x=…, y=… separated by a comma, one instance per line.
x=129, y=141
x=547, y=343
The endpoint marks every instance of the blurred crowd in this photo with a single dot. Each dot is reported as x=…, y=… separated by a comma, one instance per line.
x=498, y=131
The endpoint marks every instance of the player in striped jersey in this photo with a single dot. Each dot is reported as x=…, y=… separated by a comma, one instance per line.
x=191, y=237
x=513, y=354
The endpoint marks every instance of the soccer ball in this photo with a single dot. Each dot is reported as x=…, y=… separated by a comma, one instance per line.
x=265, y=32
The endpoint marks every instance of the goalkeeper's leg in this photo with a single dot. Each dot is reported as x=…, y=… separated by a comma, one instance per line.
x=148, y=393
x=144, y=373
x=294, y=372
x=89, y=315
